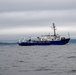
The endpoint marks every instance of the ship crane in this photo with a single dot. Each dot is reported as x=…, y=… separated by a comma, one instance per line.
x=54, y=29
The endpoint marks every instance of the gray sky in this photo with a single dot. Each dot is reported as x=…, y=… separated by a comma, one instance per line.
x=29, y=17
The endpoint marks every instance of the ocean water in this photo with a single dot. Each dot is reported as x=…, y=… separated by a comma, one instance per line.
x=38, y=60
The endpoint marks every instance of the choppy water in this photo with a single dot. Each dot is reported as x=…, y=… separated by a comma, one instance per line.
x=38, y=60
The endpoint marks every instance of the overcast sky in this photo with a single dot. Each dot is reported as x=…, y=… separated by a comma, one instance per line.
x=20, y=18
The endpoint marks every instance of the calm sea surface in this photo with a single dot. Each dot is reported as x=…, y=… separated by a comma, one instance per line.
x=38, y=60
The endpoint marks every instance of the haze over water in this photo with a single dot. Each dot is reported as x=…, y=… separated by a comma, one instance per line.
x=38, y=60
x=22, y=18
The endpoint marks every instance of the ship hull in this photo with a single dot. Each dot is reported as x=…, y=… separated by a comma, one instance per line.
x=58, y=42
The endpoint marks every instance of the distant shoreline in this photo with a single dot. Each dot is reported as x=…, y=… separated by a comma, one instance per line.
x=5, y=43
x=72, y=41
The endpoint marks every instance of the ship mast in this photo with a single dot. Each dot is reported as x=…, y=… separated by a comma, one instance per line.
x=54, y=29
